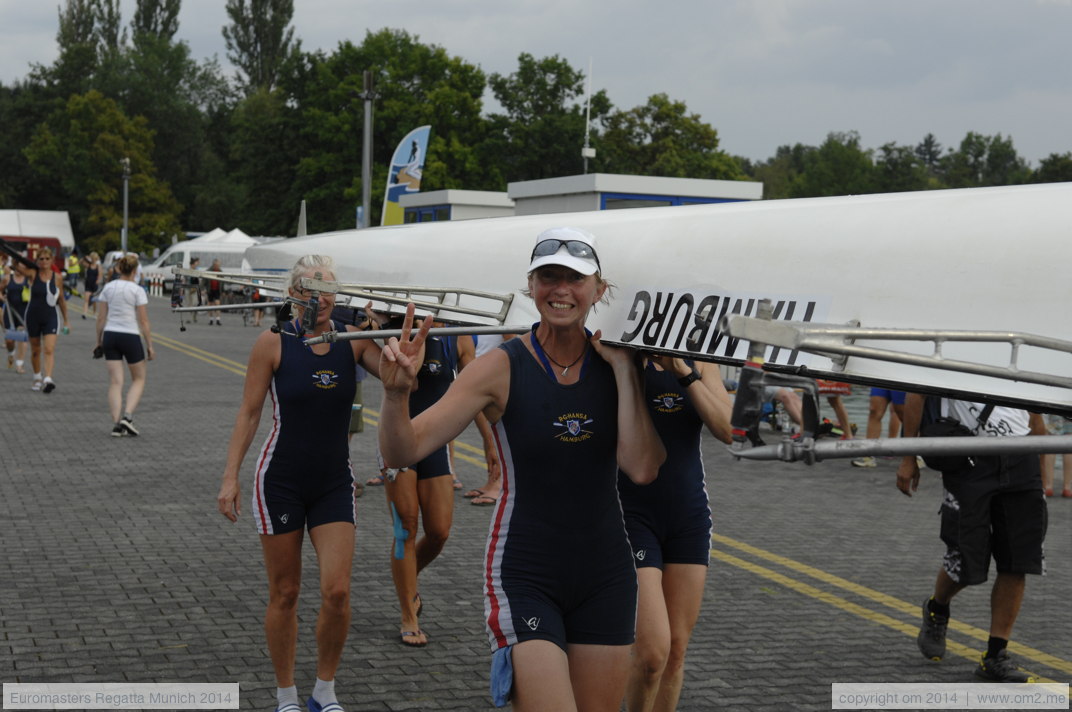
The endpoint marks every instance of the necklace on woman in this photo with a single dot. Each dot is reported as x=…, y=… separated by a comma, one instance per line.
x=564, y=367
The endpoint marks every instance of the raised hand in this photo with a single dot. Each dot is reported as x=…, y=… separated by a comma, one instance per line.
x=401, y=358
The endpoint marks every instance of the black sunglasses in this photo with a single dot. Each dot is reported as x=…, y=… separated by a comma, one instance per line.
x=576, y=248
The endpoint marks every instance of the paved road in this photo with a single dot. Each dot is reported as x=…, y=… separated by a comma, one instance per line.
x=116, y=566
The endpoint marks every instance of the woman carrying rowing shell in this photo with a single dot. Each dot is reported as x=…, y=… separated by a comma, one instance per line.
x=567, y=412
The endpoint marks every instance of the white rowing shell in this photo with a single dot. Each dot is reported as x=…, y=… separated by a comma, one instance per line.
x=991, y=259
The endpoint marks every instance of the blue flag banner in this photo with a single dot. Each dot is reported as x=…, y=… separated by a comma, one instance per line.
x=404, y=174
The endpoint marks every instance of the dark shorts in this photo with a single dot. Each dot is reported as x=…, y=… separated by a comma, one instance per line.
x=119, y=345
x=11, y=320
x=42, y=322
x=894, y=397
x=995, y=510
x=605, y=616
x=681, y=545
x=213, y=295
x=435, y=465
x=289, y=505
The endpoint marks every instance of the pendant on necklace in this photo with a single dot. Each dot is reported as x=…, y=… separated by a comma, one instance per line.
x=564, y=370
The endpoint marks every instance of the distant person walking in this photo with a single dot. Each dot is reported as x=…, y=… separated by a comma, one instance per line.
x=122, y=321
x=42, y=321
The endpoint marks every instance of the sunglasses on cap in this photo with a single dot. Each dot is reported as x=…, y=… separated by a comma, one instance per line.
x=576, y=248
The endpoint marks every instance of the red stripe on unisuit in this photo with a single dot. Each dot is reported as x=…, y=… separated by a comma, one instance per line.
x=269, y=445
x=493, y=618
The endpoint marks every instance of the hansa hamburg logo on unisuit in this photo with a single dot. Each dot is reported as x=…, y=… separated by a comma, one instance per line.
x=572, y=427
x=325, y=380
x=668, y=402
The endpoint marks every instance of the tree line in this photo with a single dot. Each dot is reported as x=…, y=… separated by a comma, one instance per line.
x=207, y=149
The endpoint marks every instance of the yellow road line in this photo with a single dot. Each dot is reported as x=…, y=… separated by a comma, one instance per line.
x=894, y=603
x=206, y=356
x=1024, y=651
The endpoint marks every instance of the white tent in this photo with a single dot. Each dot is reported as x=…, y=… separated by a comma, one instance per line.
x=219, y=236
x=38, y=223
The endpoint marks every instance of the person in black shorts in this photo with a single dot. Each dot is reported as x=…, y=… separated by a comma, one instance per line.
x=303, y=479
x=42, y=320
x=566, y=411
x=992, y=508
x=91, y=269
x=669, y=525
x=122, y=321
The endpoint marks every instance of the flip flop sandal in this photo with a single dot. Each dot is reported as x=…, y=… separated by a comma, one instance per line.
x=376, y=481
x=473, y=493
x=411, y=634
x=484, y=500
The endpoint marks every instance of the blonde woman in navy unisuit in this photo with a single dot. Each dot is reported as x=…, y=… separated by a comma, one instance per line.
x=567, y=412
x=303, y=480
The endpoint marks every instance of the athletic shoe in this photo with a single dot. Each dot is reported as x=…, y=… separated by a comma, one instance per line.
x=36, y=385
x=117, y=431
x=1001, y=668
x=931, y=638
x=128, y=426
x=315, y=706
x=49, y=385
x=865, y=462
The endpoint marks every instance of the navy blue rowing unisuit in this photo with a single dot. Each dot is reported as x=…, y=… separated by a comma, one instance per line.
x=557, y=561
x=303, y=472
x=437, y=373
x=669, y=520
x=41, y=317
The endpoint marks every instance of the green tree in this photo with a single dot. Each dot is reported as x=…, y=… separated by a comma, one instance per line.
x=779, y=172
x=259, y=39
x=414, y=84
x=156, y=18
x=838, y=167
x=1054, y=168
x=79, y=148
x=662, y=139
x=983, y=161
x=261, y=125
x=541, y=133
x=899, y=168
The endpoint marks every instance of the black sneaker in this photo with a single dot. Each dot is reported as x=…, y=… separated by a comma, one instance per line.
x=117, y=431
x=49, y=386
x=1001, y=668
x=128, y=426
x=931, y=638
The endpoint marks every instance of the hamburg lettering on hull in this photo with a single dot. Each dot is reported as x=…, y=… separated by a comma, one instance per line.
x=686, y=321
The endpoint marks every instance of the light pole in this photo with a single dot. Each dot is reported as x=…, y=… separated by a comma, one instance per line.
x=366, y=152
x=126, y=183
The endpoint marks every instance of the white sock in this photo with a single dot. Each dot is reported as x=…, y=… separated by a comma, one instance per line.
x=324, y=691
x=286, y=696
x=37, y=376
x=48, y=379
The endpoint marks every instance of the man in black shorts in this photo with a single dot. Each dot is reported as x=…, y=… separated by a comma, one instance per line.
x=992, y=507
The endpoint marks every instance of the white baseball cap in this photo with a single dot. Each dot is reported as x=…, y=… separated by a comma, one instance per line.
x=570, y=247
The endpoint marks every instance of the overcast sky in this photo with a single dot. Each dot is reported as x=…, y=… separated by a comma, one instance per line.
x=763, y=72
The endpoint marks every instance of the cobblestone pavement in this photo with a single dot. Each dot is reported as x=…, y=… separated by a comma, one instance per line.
x=118, y=568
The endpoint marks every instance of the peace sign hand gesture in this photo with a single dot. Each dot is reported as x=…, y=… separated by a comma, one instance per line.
x=401, y=358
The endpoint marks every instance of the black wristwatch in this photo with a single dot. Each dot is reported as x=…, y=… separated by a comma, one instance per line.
x=686, y=381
